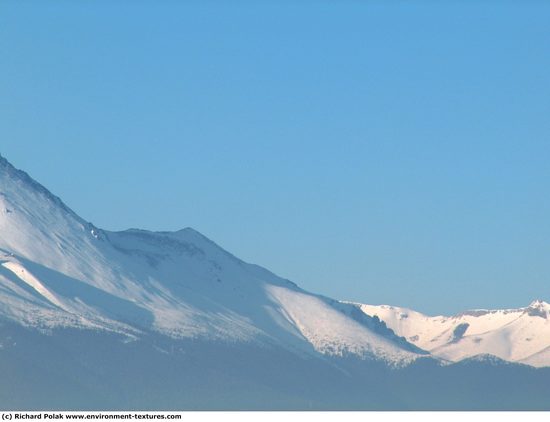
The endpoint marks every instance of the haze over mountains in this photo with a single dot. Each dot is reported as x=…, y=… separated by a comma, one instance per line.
x=137, y=319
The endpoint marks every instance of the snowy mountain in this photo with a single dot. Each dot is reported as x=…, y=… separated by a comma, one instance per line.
x=59, y=271
x=91, y=319
x=516, y=335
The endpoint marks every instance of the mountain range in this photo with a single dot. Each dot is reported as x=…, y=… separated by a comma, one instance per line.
x=515, y=335
x=96, y=319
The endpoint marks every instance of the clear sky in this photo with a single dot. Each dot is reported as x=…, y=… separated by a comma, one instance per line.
x=385, y=152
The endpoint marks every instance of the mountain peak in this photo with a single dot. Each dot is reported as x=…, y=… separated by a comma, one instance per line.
x=538, y=303
x=19, y=176
x=538, y=308
x=5, y=164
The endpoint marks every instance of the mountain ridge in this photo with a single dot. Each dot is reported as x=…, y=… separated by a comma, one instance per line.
x=135, y=319
x=184, y=284
x=180, y=284
x=519, y=335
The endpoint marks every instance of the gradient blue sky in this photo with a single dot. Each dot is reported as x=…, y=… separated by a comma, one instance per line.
x=384, y=152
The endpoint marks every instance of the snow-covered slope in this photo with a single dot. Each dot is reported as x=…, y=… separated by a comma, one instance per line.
x=93, y=319
x=57, y=270
x=516, y=335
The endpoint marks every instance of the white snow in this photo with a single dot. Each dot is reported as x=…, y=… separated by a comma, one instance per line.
x=31, y=280
x=57, y=270
x=516, y=335
x=331, y=331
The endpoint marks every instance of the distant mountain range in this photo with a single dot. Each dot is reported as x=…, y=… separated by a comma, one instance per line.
x=93, y=319
x=516, y=335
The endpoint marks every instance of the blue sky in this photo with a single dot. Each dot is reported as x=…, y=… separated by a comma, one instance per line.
x=384, y=152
